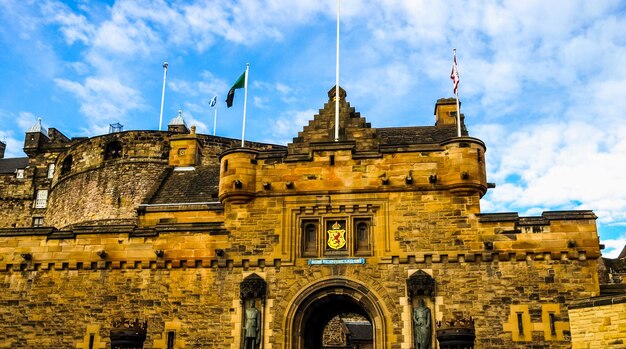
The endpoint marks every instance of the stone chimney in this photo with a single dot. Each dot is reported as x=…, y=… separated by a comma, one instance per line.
x=3, y=147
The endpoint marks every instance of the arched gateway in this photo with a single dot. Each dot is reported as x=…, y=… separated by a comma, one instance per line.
x=317, y=304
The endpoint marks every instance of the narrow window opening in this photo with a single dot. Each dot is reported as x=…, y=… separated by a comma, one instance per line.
x=42, y=198
x=92, y=339
x=225, y=166
x=520, y=324
x=171, y=335
x=50, y=170
x=310, y=239
x=37, y=222
x=113, y=150
x=66, y=167
x=332, y=160
x=362, y=236
x=552, y=324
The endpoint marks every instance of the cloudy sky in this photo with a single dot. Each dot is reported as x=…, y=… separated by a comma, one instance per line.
x=542, y=82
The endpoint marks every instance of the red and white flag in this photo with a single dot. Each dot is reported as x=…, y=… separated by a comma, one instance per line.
x=454, y=75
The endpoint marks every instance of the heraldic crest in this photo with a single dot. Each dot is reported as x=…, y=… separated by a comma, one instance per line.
x=336, y=237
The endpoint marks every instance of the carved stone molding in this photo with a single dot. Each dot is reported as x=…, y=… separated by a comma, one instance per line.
x=420, y=283
x=253, y=287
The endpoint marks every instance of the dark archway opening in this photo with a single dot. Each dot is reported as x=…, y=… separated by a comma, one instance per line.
x=316, y=306
x=319, y=314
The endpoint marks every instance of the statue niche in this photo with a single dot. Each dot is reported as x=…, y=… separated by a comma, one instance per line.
x=252, y=294
x=421, y=287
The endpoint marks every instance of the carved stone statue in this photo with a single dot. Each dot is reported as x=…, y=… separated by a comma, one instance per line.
x=422, y=326
x=252, y=327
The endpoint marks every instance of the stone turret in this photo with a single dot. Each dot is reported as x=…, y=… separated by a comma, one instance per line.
x=178, y=124
x=464, y=166
x=238, y=175
x=445, y=114
x=35, y=138
x=186, y=149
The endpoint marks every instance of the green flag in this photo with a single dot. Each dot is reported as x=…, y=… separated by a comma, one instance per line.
x=231, y=93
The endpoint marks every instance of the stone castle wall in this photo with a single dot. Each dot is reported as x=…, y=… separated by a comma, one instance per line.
x=50, y=305
x=108, y=193
x=599, y=322
x=16, y=203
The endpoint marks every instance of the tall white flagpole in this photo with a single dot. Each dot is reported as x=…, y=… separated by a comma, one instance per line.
x=456, y=93
x=245, y=100
x=163, y=94
x=337, y=81
x=215, y=115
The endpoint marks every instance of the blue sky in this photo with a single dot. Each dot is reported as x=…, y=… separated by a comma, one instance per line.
x=542, y=82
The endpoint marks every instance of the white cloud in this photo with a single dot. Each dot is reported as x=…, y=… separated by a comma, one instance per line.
x=613, y=247
x=73, y=26
x=13, y=145
x=281, y=130
x=103, y=100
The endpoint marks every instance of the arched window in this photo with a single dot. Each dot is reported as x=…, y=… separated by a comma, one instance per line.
x=309, y=239
x=113, y=150
x=66, y=167
x=362, y=236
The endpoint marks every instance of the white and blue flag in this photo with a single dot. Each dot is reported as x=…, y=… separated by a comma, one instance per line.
x=213, y=101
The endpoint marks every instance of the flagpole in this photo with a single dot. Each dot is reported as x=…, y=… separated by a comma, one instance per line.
x=215, y=115
x=163, y=94
x=456, y=93
x=337, y=81
x=245, y=100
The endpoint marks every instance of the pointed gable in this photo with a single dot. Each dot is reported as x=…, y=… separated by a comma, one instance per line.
x=356, y=133
x=354, y=130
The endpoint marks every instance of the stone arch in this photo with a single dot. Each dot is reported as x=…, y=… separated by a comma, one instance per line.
x=320, y=301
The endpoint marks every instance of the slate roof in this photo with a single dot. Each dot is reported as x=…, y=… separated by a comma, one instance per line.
x=199, y=185
x=37, y=128
x=415, y=135
x=12, y=164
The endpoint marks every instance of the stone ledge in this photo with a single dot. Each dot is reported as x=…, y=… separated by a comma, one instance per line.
x=598, y=301
x=497, y=217
x=26, y=231
x=544, y=219
x=214, y=262
x=567, y=215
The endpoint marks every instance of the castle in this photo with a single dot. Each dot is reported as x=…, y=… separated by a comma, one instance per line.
x=317, y=244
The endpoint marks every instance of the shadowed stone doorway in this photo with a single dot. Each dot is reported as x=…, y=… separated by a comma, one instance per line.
x=329, y=304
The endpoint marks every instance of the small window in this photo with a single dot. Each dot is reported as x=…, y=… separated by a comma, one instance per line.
x=37, y=222
x=309, y=238
x=92, y=339
x=50, y=170
x=552, y=324
x=225, y=166
x=362, y=236
x=520, y=324
x=42, y=199
x=67, y=165
x=19, y=173
x=113, y=150
x=171, y=336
